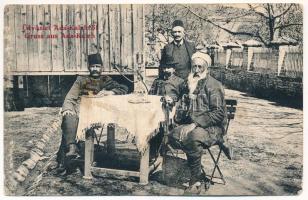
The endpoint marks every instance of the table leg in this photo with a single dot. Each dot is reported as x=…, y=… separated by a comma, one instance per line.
x=111, y=139
x=144, y=166
x=88, y=155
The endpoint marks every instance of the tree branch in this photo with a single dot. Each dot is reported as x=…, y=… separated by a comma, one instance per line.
x=284, y=12
x=272, y=9
x=261, y=39
x=231, y=18
x=225, y=29
x=287, y=25
x=257, y=12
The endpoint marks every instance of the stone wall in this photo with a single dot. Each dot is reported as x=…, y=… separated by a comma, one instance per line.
x=283, y=90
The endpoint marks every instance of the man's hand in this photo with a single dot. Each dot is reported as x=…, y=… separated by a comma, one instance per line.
x=169, y=100
x=105, y=93
x=192, y=96
x=186, y=129
x=68, y=112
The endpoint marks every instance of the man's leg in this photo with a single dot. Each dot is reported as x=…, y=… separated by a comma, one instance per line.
x=69, y=131
x=193, y=145
x=61, y=152
x=69, y=128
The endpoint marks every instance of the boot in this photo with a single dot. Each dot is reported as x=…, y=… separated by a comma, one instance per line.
x=60, y=169
x=194, y=189
x=73, y=151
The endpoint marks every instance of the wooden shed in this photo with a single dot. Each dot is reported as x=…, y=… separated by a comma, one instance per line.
x=53, y=41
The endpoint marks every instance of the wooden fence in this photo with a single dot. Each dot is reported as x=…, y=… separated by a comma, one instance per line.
x=220, y=57
x=287, y=61
x=236, y=57
x=115, y=31
x=292, y=65
x=265, y=60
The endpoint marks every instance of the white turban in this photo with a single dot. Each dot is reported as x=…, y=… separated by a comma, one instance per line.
x=203, y=56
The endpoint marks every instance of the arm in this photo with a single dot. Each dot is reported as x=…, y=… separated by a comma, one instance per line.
x=71, y=99
x=114, y=86
x=153, y=89
x=174, y=88
x=216, y=113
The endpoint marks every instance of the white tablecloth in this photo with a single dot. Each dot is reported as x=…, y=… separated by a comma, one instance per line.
x=142, y=120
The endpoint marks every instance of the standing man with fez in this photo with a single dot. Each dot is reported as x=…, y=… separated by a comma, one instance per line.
x=94, y=84
x=180, y=49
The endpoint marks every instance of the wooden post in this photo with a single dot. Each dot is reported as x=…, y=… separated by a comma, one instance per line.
x=228, y=57
x=245, y=58
x=144, y=166
x=89, y=153
x=250, y=61
x=111, y=139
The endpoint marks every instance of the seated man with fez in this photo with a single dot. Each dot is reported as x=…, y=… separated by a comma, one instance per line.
x=94, y=84
x=201, y=115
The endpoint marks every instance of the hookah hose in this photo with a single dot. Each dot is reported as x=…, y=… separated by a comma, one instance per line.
x=138, y=73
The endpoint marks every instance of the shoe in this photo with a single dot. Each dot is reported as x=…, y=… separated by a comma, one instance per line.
x=194, y=189
x=73, y=152
x=206, y=180
x=59, y=171
x=227, y=149
x=53, y=165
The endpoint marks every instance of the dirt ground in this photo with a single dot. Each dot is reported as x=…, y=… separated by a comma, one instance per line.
x=268, y=156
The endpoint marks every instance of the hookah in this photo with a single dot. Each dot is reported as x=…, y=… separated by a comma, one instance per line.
x=140, y=94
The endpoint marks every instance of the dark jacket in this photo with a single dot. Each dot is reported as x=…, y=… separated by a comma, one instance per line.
x=168, y=52
x=84, y=84
x=208, y=109
x=159, y=86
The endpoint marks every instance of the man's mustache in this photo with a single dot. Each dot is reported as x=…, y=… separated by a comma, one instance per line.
x=196, y=75
x=167, y=75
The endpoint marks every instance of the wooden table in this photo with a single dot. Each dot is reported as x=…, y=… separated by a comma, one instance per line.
x=139, y=118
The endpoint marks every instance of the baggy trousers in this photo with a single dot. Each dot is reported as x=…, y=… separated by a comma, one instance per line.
x=193, y=145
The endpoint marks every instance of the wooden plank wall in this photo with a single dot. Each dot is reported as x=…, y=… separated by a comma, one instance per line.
x=119, y=36
x=265, y=60
x=237, y=57
x=220, y=57
x=293, y=63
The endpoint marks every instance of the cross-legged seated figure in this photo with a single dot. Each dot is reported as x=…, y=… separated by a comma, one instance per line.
x=201, y=115
x=93, y=84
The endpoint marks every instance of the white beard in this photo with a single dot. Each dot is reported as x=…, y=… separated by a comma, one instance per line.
x=193, y=81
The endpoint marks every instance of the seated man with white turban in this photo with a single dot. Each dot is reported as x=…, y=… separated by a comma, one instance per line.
x=201, y=113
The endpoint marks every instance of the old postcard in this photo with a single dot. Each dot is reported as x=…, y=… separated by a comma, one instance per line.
x=153, y=99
